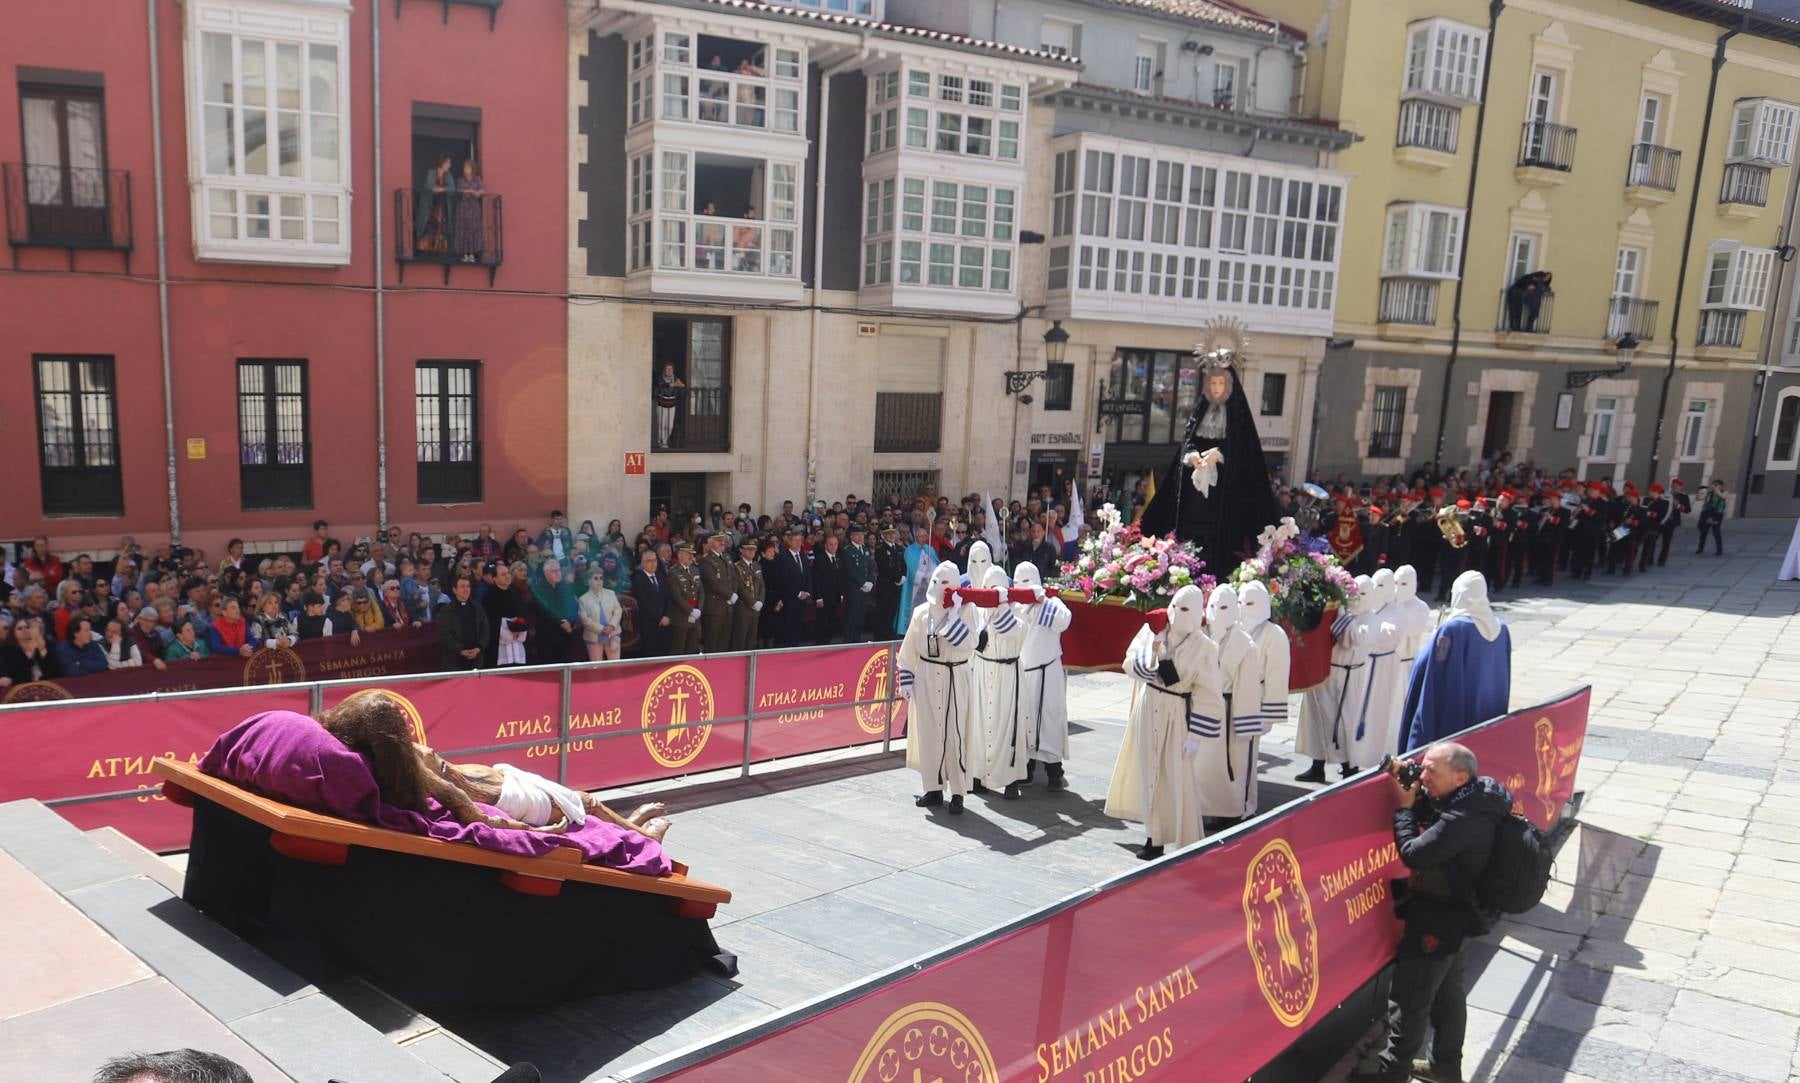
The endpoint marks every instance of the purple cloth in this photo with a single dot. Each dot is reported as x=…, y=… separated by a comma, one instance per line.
x=291, y=758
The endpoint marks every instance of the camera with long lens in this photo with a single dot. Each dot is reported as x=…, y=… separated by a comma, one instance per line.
x=1404, y=770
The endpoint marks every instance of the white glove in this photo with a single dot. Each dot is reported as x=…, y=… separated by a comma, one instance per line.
x=693, y=616
x=757, y=608
x=867, y=587
x=1038, y=592
x=1190, y=747
x=733, y=600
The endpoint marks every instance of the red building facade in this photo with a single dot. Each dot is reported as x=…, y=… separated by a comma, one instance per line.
x=306, y=252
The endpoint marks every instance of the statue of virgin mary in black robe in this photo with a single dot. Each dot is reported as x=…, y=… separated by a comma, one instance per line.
x=1225, y=520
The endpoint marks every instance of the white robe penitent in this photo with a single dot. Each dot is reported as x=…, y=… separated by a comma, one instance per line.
x=1272, y=647
x=1043, y=686
x=940, y=740
x=1377, y=692
x=1321, y=735
x=1412, y=618
x=1153, y=783
x=1227, y=762
x=997, y=695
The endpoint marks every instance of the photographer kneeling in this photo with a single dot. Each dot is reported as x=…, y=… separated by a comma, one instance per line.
x=1445, y=829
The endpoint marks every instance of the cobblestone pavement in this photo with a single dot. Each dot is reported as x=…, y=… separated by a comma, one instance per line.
x=1669, y=947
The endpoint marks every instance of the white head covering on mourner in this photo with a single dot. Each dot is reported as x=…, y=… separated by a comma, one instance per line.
x=1469, y=598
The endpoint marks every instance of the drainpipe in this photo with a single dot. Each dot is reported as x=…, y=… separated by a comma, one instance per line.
x=1462, y=257
x=381, y=448
x=1303, y=60
x=1687, y=245
x=818, y=266
x=1774, y=320
x=162, y=274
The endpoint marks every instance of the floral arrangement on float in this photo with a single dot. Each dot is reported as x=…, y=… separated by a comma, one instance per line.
x=1120, y=565
x=1304, y=578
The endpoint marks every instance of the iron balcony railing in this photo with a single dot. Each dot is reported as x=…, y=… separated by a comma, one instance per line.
x=701, y=421
x=51, y=206
x=449, y=471
x=1631, y=315
x=1651, y=166
x=448, y=228
x=1745, y=183
x=1525, y=312
x=1429, y=125
x=1408, y=300
x=1543, y=145
x=908, y=420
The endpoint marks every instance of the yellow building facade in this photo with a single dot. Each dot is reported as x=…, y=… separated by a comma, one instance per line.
x=1586, y=126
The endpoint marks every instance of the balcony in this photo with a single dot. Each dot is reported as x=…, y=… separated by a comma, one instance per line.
x=1723, y=327
x=1546, y=154
x=449, y=471
x=1524, y=312
x=1408, y=301
x=449, y=229
x=1427, y=133
x=701, y=422
x=1651, y=173
x=71, y=208
x=1629, y=315
x=908, y=420
x=1745, y=190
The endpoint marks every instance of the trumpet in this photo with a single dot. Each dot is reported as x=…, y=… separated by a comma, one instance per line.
x=1400, y=517
x=1450, y=523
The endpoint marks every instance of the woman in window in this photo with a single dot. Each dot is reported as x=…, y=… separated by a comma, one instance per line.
x=468, y=234
x=431, y=210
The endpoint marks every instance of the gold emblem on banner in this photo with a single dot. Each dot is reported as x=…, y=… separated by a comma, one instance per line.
x=413, y=718
x=274, y=665
x=679, y=697
x=37, y=692
x=926, y=1043
x=1554, y=763
x=872, y=684
x=1280, y=932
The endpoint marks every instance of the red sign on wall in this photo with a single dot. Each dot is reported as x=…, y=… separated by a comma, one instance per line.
x=1206, y=968
x=634, y=462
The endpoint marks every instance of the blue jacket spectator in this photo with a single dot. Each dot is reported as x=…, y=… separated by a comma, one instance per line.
x=81, y=654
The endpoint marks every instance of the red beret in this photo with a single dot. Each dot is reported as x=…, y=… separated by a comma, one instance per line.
x=1437, y=493
x=1463, y=504
x=1656, y=487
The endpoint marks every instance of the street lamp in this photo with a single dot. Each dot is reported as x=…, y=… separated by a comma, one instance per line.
x=1626, y=345
x=1056, y=347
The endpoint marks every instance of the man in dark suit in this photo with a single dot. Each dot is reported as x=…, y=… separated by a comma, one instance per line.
x=859, y=585
x=793, y=589
x=890, y=574
x=829, y=581
x=650, y=587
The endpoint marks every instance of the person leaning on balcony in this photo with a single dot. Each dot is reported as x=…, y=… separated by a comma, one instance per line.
x=747, y=241
x=667, y=396
x=467, y=233
x=431, y=208
x=1524, y=299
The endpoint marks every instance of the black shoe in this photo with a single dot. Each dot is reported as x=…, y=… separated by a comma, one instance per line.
x=1031, y=770
x=1012, y=791
x=1315, y=773
x=1149, y=852
x=1053, y=777
x=1425, y=1070
x=1378, y=1075
x=1345, y=770
x=977, y=787
x=956, y=804
x=520, y=1073
x=932, y=799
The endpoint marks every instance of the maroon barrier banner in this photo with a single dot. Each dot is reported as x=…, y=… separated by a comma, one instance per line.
x=820, y=700
x=1203, y=968
x=380, y=654
x=675, y=701
x=62, y=752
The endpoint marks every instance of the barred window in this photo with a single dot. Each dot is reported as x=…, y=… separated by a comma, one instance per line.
x=78, y=441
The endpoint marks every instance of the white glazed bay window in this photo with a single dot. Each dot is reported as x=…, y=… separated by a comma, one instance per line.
x=940, y=233
x=1423, y=241
x=1737, y=283
x=691, y=210
x=1154, y=230
x=1443, y=61
x=962, y=115
x=1762, y=131
x=713, y=80
x=268, y=93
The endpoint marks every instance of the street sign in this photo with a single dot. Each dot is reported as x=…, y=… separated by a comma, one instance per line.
x=634, y=462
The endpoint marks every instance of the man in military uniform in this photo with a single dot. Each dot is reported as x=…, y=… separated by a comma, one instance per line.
x=688, y=591
x=720, y=583
x=890, y=574
x=1503, y=520
x=1656, y=513
x=747, y=573
x=859, y=585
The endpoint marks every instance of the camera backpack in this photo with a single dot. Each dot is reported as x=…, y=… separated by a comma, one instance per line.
x=1518, y=872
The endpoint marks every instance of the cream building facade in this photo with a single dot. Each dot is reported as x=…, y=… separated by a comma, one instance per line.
x=1638, y=152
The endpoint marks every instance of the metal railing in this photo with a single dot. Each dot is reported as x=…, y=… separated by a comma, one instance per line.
x=1408, y=300
x=908, y=420
x=702, y=421
x=1721, y=327
x=745, y=246
x=1651, y=166
x=50, y=206
x=1629, y=314
x=448, y=228
x=1543, y=145
x=1745, y=183
x=1430, y=125
x=1525, y=312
